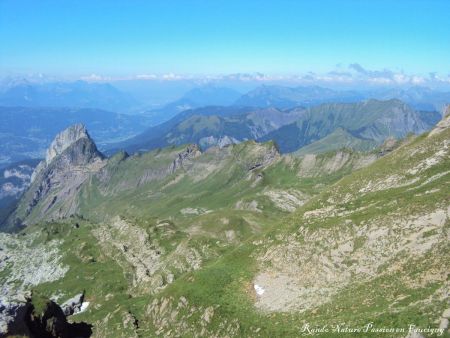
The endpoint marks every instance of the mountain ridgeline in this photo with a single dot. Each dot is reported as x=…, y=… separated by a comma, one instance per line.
x=290, y=97
x=236, y=240
x=420, y=98
x=32, y=113
x=26, y=132
x=77, y=94
x=371, y=120
x=208, y=95
x=365, y=124
x=75, y=177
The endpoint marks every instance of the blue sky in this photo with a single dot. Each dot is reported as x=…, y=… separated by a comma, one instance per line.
x=130, y=37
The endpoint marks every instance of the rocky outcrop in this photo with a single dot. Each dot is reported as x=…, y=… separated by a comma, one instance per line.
x=220, y=142
x=67, y=138
x=73, y=305
x=192, y=151
x=24, y=264
x=41, y=318
x=443, y=124
x=70, y=160
x=260, y=155
x=12, y=315
x=388, y=146
x=64, y=140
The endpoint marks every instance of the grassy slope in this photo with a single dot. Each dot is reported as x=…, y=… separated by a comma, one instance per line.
x=336, y=140
x=370, y=119
x=223, y=285
x=391, y=298
x=107, y=277
x=214, y=182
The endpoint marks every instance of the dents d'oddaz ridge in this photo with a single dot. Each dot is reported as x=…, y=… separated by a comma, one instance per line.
x=177, y=241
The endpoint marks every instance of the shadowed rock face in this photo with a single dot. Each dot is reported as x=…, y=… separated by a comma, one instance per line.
x=64, y=140
x=76, y=137
x=48, y=322
x=70, y=159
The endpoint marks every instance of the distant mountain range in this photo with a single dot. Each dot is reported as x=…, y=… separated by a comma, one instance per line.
x=208, y=95
x=26, y=132
x=421, y=98
x=290, y=97
x=370, y=120
x=78, y=94
x=209, y=126
x=208, y=115
x=120, y=96
x=362, y=125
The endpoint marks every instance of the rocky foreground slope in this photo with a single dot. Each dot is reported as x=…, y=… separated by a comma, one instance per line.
x=241, y=241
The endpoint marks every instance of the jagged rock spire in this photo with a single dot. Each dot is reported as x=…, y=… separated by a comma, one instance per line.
x=65, y=139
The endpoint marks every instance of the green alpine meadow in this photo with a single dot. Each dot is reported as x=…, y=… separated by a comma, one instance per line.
x=224, y=169
x=235, y=241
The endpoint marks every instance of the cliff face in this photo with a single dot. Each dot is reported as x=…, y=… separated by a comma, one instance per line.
x=64, y=140
x=84, y=152
x=70, y=159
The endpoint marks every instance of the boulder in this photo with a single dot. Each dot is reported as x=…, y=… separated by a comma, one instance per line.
x=443, y=325
x=446, y=313
x=73, y=305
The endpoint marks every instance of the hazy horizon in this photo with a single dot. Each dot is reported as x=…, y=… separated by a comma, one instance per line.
x=336, y=42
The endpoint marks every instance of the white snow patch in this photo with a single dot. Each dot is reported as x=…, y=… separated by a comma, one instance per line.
x=259, y=289
x=83, y=307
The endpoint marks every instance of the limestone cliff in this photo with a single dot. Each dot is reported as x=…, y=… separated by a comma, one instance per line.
x=70, y=159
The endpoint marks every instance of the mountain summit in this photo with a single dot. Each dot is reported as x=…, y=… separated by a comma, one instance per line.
x=65, y=139
x=70, y=159
x=75, y=137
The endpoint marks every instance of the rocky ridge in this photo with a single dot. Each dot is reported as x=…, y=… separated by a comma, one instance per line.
x=179, y=239
x=443, y=124
x=71, y=158
x=61, y=142
x=374, y=246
